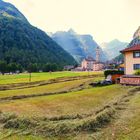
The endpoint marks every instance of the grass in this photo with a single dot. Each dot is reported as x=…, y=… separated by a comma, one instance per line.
x=12, y=135
x=95, y=114
x=102, y=113
x=126, y=125
x=56, y=87
x=22, y=78
x=73, y=103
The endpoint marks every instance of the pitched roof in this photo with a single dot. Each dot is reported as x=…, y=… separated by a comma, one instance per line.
x=133, y=48
x=90, y=59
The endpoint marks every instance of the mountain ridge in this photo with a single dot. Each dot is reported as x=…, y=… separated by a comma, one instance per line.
x=22, y=43
x=79, y=46
x=9, y=10
x=113, y=48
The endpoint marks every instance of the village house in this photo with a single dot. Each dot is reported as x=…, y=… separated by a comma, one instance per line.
x=87, y=64
x=131, y=59
x=90, y=64
x=131, y=64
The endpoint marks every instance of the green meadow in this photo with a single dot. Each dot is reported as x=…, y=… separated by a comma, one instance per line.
x=63, y=105
x=24, y=77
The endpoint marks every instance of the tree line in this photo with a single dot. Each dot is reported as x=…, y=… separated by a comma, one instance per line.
x=32, y=67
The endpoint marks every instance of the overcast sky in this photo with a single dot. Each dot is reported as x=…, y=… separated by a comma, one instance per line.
x=105, y=20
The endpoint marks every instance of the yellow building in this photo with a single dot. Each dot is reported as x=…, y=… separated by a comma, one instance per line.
x=131, y=59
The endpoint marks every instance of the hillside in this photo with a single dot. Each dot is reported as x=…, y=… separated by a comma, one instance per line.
x=24, y=44
x=113, y=48
x=79, y=46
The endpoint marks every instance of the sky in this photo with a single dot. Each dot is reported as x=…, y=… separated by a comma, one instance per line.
x=105, y=20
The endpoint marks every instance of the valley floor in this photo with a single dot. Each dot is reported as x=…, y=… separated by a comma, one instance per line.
x=65, y=106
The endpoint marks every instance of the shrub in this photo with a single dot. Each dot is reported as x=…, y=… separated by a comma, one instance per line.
x=112, y=72
x=137, y=72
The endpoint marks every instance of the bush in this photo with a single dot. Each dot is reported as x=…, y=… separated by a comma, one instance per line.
x=137, y=72
x=112, y=72
x=50, y=67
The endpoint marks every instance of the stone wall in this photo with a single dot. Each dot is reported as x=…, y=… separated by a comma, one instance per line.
x=130, y=80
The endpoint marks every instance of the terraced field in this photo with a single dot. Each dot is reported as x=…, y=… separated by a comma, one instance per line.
x=65, y=106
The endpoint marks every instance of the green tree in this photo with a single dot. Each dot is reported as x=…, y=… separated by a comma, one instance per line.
x=50, y=67
x=12, y=67
x=3, y=67
x=32, y=68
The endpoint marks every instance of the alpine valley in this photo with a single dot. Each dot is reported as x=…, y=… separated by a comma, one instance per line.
x=79, y=46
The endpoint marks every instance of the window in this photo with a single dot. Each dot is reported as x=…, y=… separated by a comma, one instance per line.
x=136, y=54
x=136, y=66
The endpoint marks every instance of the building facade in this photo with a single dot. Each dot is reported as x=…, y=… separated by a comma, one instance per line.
x=89, y=64
x=131, y=59
x=98, y=66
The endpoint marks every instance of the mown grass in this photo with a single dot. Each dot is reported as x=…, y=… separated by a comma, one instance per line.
x=93, y=109
x=69, y=126
x=72, y=103
x=17, y=135
x=126, y=126
x=51, y=88
x=24, y=77
x=109, y=112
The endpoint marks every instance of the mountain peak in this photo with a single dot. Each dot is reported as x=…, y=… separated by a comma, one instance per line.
x=71, y=31
x=79, y=46
x=137, y=33
x=115, y=40
x=136, y=38
x=10, y=11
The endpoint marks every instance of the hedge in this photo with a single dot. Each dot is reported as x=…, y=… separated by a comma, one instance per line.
x=112, y=72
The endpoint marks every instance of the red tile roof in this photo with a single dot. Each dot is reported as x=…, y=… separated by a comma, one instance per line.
x=133, y=48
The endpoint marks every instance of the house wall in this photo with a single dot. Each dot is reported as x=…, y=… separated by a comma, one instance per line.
x=129, y=62
x=84, y=64
x=87, y=65
x=98, y=67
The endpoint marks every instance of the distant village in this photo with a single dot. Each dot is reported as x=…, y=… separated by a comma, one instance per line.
x=130, y=67
x=91, y=64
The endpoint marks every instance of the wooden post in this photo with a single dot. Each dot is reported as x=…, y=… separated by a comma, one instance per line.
x=30, y=76
x=88, y=72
